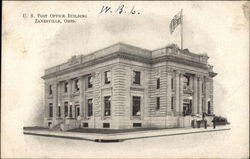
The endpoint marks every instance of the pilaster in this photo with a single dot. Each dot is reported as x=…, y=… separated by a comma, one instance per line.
x=199, y=95
x=70, y=96
x=212, y=96
x=177, y=93
x=46, y=103
x=168, y=108
x=55, y=100
x=59, y=100
x=206, y=94
x=181, y=93
x=82, y=84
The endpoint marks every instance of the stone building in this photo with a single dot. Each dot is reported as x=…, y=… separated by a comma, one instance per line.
x=123, y=87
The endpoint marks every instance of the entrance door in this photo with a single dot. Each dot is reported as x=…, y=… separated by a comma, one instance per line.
x=187, y=107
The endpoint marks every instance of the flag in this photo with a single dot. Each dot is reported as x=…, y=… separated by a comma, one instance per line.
x=175, y=21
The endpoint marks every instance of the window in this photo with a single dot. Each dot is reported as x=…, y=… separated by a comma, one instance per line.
x=107, y=106
x=76, y=85
x=66, y=87
x=136, y=125
x=90, y=81
x=59, y=111
x=172, y=102
x=77, y=107
x=106, y=125
x=208, y=107
x=158, y=103
x=158, y=83
x=90, y=107
x=136, y=77
x=85, y=125
x=203, y=87
x=187, y=107
x=172, y=83
x=66, y=110
x=186, y=80
x=107, y=77
x=136, y=106
x=70, y=111
x=50, y=110
x=50, y=89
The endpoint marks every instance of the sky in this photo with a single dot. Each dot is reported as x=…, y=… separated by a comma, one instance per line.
x=220, y=29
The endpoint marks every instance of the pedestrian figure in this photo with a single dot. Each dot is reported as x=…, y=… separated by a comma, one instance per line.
x=192, y=123
x=204, y=120
x=203, y=116
x=198, y=123
x=214, y=122
x=205, y=123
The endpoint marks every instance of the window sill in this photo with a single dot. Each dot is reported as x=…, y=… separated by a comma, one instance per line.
x=137, y=88
x=106, y=117
x=136, y=117
x=107, y=86
x=76, y=93
x=50, y=96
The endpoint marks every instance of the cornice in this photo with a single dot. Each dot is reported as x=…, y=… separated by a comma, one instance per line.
x=212, y=74
x=127, y=56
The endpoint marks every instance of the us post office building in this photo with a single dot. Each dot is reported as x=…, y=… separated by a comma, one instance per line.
x=125, y=87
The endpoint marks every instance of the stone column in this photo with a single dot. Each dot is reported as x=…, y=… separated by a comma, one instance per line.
x=82, y=97
x=177, y=94
x=212, y=96
x=200, y=95
x=73, y=110
x=206, y=94
x=61, y=101
x=55, y=100
x=195, y=101
x=46, y=103
x=181, y=93
x=73, y=102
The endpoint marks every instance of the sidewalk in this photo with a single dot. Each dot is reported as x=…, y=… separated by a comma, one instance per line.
x=116, y=137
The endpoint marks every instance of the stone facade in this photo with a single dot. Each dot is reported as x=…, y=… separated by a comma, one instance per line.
x=123, y=87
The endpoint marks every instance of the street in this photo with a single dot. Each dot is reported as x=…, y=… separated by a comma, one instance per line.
x=209, y=144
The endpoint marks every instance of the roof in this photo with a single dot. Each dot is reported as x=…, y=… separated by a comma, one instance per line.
x=170, y=52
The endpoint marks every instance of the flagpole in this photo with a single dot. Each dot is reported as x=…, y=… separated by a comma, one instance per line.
x=181, y=30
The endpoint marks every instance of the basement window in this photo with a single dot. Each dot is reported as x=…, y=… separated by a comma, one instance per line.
x=136, y=125
x=49, y=123
x=85, y=125
x=106, y=125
